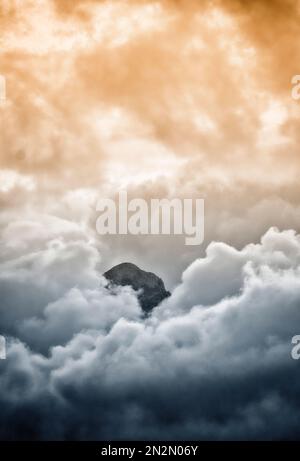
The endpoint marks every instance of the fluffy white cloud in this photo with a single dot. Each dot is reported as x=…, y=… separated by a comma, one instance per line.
x=225, y=271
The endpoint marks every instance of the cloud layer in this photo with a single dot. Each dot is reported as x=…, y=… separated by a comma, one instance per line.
x=162, y=98
x=212, y=362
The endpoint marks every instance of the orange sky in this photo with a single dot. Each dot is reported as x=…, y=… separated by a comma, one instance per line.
x=165, y=98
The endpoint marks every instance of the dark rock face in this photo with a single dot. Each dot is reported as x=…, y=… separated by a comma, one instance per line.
x=152, y=287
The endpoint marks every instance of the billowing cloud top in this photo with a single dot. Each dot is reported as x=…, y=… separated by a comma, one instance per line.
x=212, y=362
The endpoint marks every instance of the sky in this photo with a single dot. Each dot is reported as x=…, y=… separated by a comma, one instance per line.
x=165, y=99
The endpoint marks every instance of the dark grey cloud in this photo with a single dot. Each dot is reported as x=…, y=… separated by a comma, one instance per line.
x=212, y=362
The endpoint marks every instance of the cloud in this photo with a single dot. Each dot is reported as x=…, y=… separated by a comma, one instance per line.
x=179, y=98
x=218, y=367
x=193, y=78
x=168, y=98
x=227, y=269
x=79, y=310
x=50, y=267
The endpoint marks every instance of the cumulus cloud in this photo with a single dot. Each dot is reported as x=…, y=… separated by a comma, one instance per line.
x=212, y=362
x=227, y=269
x=51, y=267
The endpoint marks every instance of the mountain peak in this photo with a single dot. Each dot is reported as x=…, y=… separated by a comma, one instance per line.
x=152, y=287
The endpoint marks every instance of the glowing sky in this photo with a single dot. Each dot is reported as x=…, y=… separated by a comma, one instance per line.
x=166, y=98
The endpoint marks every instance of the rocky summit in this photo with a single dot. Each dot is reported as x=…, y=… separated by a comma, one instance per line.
x=151, y=288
